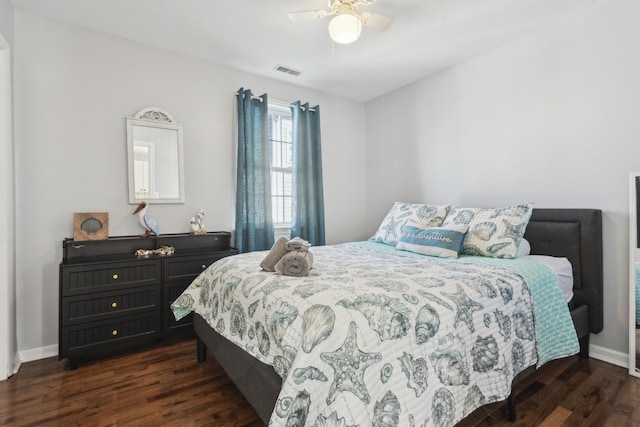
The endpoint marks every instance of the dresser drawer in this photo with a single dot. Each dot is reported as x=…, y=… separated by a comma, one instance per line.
x=99, y=335
x=187, y=268
x=104, y=277
x=172, y=291
x=107, y=305
x=173, y=326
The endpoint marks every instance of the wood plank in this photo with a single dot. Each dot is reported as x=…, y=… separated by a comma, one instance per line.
x=164, y=385
x=556, y=418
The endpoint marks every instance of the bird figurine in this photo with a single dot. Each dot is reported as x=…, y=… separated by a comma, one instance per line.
x=147, y=221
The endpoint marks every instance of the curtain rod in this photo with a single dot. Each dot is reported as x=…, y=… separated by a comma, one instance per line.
x=259, y=98
x=278, y=101
x=287, y=104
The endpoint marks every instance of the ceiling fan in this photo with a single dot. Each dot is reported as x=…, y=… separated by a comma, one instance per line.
x=346, y=25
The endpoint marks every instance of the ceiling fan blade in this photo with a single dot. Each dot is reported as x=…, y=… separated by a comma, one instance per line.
x=307, y=15
x=376, y=21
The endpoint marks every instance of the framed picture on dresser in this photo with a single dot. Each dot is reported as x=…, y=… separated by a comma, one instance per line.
x=90, y=226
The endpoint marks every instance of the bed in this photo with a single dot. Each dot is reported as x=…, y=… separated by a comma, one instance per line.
x=572, y=233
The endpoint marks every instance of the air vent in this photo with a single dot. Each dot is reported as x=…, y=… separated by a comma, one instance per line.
x=288, y=70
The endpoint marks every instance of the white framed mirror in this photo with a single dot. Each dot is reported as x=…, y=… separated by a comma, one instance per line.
x=634, y=274
x=155, y=157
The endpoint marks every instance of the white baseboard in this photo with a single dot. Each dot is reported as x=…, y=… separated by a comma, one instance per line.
x=32, y=354
x=617, y=358
x=610, y=356
x=16, y=363
x=37, y=353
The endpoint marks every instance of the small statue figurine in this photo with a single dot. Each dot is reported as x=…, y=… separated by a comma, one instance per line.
x=147, y=221
x=197, y=223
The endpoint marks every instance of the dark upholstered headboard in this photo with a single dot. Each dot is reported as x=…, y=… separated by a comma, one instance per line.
x=577, y=235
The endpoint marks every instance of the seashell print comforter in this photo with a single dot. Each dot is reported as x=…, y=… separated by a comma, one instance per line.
x=380, y=337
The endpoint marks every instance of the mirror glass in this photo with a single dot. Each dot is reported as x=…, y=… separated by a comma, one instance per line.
x=156, y=171
x=634, y=274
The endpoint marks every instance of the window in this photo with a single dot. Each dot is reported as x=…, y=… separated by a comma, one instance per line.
x=281, y=144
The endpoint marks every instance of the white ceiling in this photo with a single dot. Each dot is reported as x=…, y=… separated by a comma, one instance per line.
x=256, y=35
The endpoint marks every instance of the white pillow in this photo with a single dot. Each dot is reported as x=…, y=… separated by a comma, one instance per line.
x=524, y=249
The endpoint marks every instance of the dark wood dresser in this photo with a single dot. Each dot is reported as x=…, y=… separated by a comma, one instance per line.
x=111, y=299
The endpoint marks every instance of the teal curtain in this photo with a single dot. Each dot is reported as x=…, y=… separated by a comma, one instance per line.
x=254, y=223
x=307, y=221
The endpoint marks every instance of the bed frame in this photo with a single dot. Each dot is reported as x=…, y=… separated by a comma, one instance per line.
x=572, y=233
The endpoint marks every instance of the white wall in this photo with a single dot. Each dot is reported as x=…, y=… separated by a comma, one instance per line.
x=551, y=119
x=6, y=21
x=8, y=344
x=74, y=89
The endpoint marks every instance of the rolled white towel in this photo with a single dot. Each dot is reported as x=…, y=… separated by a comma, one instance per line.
x=297, y=244
x=295, y=263
x=278, y=250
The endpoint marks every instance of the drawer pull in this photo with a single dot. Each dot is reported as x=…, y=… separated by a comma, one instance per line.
x=114, y=332
x=203, y=266
x=114, y=304
x=115, y=277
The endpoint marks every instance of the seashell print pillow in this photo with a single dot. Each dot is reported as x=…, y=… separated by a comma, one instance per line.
x=444, y=242
x=493, y=232
x=390, y=229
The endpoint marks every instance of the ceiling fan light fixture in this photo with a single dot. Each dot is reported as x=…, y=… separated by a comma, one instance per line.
x=345, y=28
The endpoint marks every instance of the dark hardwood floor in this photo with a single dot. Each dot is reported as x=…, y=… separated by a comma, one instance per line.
x=164, y=385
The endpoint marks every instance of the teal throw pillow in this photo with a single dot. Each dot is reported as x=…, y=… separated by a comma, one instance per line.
x=391, y=226
x=444, y=242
